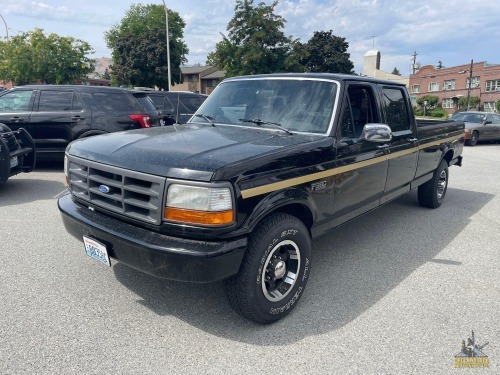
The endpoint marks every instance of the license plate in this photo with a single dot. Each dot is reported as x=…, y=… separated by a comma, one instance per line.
x=13, y=162
x=96, y=250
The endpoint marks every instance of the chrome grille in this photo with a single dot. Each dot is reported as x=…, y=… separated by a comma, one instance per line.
x=134, y=194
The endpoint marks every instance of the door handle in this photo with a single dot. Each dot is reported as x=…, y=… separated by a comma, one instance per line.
x=77, y=118
x=413, y=139
x=383, y=146
x=16, y=119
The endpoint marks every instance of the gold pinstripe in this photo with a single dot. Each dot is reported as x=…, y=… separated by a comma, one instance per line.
x=252, y=192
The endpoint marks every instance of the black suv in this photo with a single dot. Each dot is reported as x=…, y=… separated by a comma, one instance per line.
x=55, y=115
x=176, y=107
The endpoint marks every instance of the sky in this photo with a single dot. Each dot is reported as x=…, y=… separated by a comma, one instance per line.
x=453, y=32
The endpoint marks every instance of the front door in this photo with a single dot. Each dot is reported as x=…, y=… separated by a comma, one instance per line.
x=359, y=188
x=15, y=108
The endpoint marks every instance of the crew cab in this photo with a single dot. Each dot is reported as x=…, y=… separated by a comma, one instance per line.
x=266, y=164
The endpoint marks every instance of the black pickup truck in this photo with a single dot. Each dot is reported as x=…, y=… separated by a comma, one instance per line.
x=267, y=163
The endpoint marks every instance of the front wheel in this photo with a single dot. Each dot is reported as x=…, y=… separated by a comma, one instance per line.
x=473, y=139
x=274, y=271
x=432, y=193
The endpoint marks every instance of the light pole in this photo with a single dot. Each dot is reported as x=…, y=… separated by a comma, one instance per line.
x=5, y=23
x=168, y=45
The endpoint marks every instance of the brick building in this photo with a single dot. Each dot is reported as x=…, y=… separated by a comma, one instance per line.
x=451, y=84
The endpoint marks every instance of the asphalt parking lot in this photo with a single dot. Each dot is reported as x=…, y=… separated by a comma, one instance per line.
x=393, y=292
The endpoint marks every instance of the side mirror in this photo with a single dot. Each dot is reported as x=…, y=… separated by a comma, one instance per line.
x=377, y=133
x=486, y=122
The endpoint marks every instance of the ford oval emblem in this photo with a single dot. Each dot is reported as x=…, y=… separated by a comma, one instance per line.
x=104, y=189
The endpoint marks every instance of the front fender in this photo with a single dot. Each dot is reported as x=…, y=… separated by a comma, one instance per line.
x=295, y=201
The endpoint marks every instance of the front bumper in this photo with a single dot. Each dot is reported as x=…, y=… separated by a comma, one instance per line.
x=154, y=253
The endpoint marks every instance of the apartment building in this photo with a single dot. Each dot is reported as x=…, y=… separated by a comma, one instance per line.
x=201, y=79
x=451, y=84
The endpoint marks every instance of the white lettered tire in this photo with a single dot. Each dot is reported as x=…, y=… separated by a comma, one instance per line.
x=274, y=271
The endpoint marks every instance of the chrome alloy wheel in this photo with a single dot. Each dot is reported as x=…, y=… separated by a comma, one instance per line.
x=280, y=270
x=442, y=184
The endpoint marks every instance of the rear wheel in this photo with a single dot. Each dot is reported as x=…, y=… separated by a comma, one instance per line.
x=274, y=271
x=432, y=193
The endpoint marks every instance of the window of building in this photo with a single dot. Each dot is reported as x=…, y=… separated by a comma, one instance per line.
x=474, y=82
x=211, y=82
x=489, y=106
x=493, y=85
x=433, y=86
x=447, y=103
x=449, y=84
x=193, y=78
x=415, y=88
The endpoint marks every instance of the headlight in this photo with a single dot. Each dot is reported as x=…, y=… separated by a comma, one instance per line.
x=199, y=205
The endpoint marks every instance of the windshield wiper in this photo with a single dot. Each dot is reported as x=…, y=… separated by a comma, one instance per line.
x=259, y=122
x=207, y=118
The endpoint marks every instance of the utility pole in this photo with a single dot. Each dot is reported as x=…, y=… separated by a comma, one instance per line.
x=168, y=45
x=414, y=65
x=468, y=87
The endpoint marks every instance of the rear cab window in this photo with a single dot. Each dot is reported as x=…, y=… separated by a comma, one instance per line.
x=396, y=109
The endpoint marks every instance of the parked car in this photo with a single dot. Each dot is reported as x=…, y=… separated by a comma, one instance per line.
x=55, y=115
x=479, y=126
x=267, y=163
x=176, y=107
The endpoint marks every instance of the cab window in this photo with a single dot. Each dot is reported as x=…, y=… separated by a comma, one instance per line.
x=358, y=110
x=396, y=110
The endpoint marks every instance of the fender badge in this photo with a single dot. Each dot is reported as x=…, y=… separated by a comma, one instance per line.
x=104, y=189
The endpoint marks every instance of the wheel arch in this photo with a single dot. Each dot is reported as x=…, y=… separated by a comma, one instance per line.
x=296, y=202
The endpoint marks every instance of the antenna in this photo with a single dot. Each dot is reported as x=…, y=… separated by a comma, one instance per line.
x=373, y=41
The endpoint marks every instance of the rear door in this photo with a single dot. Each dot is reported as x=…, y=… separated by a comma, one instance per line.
x=15, y=108
x=402, y=151
x=360, y=187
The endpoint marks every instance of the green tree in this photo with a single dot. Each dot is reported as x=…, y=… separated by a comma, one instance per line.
x=139, y=49
x=431, y=100
x=396, y=72
x=255, y=42
x=33, y=56
x=326, y=53
x=473, y=102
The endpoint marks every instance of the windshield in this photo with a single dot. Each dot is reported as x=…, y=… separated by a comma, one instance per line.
x=296, y=105
x=469, y=117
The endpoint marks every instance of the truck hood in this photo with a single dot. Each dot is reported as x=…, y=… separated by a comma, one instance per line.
x=184, y=151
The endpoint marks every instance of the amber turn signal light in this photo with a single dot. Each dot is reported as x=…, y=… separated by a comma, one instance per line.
x=198, y=217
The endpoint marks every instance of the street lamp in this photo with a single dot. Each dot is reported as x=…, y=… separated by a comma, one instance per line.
x=5, y=23
x=168, y=45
